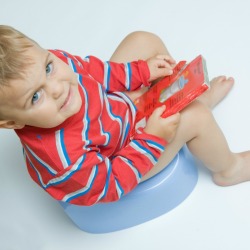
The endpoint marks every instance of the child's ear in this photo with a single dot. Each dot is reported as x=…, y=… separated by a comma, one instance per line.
x=11, y=125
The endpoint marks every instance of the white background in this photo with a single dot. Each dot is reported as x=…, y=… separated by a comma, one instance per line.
x=212, y=218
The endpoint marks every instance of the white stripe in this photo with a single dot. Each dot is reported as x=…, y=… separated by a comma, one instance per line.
x=134, y=169
x=111, y=116
x=118, y=189
x=33, y=166
x=129, y=102
x=82, y=190
x=41, y=161
x=66, y=174
x=102, y=132
x=153, y=145
x=145, y=153
x=78, y=62
x=127, y=72
x=125, y=123
x=108, y=166
x=70, y=63
x=86, y=59
x=85, y=121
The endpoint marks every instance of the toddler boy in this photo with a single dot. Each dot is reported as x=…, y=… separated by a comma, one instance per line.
x=75, y=118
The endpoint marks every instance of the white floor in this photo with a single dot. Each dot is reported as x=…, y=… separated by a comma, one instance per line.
x=212, y=218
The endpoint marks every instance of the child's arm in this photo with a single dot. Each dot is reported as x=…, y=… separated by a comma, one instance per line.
x=94, y=177
x=120, y=76
x=117, y=76
x=128, y=76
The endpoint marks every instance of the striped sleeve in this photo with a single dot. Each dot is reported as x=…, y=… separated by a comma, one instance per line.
x=120, y=174
x=93, y=177
x=117, y=76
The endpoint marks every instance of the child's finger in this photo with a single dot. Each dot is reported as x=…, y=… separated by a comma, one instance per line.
x=159, y=111
x=166, y=58
x=165, y=71
x=175, y=116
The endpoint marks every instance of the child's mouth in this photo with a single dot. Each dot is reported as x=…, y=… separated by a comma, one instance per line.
x=67, y=101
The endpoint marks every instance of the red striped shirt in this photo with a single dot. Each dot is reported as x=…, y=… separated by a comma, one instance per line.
x=95, y=155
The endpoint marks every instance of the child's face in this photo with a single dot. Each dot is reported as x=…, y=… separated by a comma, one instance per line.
x=45, y=98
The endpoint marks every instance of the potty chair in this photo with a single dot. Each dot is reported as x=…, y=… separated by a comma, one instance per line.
x=150, y=199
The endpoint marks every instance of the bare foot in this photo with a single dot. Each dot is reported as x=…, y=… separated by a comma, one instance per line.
x=237, y=173
x=220, y=87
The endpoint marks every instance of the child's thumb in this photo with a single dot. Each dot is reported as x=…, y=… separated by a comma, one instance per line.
x=174, y=118
x=159, y=110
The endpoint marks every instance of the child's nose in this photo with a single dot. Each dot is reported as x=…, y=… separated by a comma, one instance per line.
x=55, y=88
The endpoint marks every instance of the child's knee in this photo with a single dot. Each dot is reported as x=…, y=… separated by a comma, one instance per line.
x=197, y=114
x=142, y=36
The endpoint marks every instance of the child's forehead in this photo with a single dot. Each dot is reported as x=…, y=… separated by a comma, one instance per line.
x=36, y=54
x=37, y=59
x=32, y=72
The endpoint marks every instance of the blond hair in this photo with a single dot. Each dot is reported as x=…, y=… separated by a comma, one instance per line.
x=13, y=60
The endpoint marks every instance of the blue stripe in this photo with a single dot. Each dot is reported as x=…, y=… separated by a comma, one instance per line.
x=112, y=115
x=128, y=101
x=131, y=164
x=108, y=164
x=144, y=149
x=108, y=136
x=125, y=134
x=120, y=188
x=67, y=176
x=63, y=146
x=37, y=173
x=47, y=167
x=129, y=75
x=38, y=176
x=162, y=148
x=86, y=191
x=73, y=65
x=103, y=132
x=65, y=54
x=107, y=80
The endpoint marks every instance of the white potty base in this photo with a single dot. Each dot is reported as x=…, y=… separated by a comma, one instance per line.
x=148, y=200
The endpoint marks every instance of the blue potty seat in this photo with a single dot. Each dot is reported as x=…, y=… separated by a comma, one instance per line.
x=150, y=199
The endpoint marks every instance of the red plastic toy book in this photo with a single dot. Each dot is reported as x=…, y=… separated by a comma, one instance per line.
x=176, y=91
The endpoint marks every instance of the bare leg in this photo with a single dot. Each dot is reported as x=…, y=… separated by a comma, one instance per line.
x=139, y=45
x=197, y=129
x=142, y=45
x=206, y=141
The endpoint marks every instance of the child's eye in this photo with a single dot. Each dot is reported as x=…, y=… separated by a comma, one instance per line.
x=49, y=68
x=36, y=97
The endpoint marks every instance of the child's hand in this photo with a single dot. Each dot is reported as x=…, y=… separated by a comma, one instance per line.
x=160, y=65
x=162, y=127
